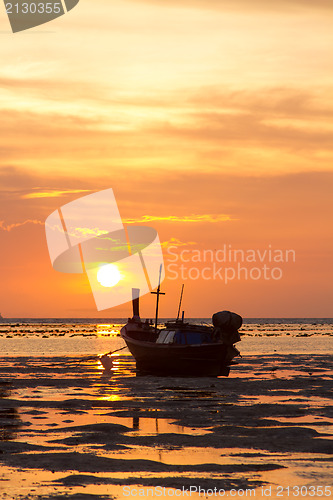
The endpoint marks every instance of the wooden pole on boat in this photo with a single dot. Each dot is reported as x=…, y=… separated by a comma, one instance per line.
x=135, y=302
x=158, y=293
x=180, y=301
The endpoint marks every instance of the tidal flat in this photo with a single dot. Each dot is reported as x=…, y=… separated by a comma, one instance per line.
x=70, y=430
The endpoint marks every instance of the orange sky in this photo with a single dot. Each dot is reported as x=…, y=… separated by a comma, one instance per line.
x=210, y=120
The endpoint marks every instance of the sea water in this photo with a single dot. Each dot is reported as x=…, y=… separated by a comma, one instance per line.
x=91, y=336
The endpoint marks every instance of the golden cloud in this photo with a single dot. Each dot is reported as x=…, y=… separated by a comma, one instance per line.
x=53, y=193
x=175, y=242
x=184, y=218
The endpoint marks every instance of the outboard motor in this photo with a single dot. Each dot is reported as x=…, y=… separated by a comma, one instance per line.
x=227, y=320
x=226, y=325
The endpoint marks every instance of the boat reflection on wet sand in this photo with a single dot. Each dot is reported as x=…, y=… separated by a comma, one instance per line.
x=181, y=348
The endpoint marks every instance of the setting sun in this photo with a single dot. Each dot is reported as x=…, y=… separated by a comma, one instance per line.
x=108, y=275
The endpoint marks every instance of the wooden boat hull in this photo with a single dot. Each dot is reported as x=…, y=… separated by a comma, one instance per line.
x=165, y=359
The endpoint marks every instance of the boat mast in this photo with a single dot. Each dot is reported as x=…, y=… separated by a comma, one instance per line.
x=135, y=302
x=158, y=293
x=180, y=302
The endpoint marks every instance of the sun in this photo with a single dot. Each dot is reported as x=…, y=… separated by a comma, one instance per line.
x=108, y=275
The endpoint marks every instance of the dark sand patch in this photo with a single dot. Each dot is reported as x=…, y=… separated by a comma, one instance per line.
x=73, y=496
x=87, y=462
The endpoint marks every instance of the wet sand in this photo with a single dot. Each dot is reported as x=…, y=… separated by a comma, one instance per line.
x=68, y=430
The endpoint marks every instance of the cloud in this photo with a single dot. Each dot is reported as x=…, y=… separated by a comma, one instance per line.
x=284, y=102
x=53, y=89
x=212, y=127
x=207, y=127
x=10, y=227
x=175, y=242
x=246, y=131
x=53, y=193
x=268, y=118
x=175, y=218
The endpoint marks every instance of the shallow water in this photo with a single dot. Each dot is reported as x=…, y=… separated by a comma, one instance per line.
x=69, y=430
x=43, y=337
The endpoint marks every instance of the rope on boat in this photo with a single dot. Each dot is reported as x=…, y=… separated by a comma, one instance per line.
x=98, y=356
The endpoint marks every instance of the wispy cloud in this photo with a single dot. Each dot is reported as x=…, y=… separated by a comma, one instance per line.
x=184, y=218
x=95, y=232
x=175, y=242
x=9, y=227
x=214, y=127
x=54, y=193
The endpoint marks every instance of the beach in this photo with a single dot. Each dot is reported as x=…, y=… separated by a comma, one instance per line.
x=71, y=430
